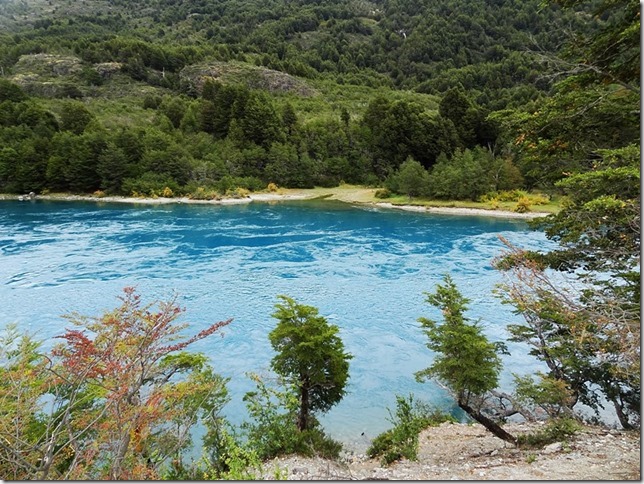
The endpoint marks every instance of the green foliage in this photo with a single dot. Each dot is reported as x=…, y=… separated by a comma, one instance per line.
x=11, y=92
x=598, y=234
x=598, y=228
x=383, y=193
x=287, y=167
x=556, y=430
x=401, y=441
x=344, y=123
x=274, y=431
x=226, y=458
x=310, y=356
x=515, y=196
x=586, y=138
x=401, y=129
x=596, y=104
x=468, y=118
x=613, y=54
x=465, y=362
x=75, y=117
x=548, y=395
x=149, y=185
x=231, y=183
x=470, y=174
x=24, y=381
x=523, y=205
x=587, y=349
x=122, y=383
x=410, y=179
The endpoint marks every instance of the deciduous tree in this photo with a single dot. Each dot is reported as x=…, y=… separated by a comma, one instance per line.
x=116, y=399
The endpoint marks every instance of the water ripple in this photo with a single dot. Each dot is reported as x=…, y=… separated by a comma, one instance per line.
x=366, y=270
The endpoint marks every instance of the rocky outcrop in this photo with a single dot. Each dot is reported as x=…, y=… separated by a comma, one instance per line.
x=45, y=66
x=194, y=76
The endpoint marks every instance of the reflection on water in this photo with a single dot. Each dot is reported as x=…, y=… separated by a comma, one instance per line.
x=365, y=269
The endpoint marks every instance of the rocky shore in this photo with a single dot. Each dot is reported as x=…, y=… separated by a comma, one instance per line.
x=469, y=452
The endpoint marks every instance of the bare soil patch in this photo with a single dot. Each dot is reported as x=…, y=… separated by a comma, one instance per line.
x=464, y=451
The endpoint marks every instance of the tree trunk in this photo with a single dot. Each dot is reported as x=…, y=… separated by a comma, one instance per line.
x=489, y=424
x=117, y=465
x=619, y=410
x=303, y=417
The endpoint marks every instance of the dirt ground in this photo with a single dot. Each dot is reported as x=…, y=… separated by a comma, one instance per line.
x=461, y=451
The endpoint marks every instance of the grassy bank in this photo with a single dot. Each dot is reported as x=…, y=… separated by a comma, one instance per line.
x=360, y=194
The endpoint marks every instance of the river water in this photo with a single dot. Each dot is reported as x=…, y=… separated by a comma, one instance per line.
x=366, y=270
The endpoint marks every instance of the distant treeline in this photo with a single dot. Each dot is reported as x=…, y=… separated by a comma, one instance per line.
x=230, y=137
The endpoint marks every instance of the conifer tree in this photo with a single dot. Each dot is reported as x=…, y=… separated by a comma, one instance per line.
x=311, y=356
x=467, y=364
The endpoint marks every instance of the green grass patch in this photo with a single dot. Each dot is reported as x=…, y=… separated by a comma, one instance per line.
x=550, y=207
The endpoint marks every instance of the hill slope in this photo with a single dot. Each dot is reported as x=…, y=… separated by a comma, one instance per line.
x=426, y=46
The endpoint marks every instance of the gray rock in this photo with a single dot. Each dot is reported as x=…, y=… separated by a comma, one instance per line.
x=552, y=448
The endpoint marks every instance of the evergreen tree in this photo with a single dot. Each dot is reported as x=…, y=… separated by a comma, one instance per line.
x=466, y=363
x=112, y=168
x=289, y=119
x=311, y=356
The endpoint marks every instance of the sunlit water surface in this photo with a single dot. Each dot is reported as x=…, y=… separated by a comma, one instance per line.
x=366, y=270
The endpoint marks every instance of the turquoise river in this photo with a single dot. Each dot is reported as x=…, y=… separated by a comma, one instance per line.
x=365, y=268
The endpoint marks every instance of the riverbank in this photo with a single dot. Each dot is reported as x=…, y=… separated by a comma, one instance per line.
x=464, y=451
x=345, y=193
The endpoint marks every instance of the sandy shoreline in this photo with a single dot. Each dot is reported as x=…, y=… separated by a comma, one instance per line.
x=276, y=197
x=463, y=211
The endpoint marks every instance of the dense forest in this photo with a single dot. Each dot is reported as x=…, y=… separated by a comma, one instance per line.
x=440, y=99
x=206, y=98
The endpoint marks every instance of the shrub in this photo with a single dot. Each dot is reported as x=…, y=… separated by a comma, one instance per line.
x=523, y=205
x=515, y=196
x=506, y=195
x=383, y=193
x=272, y=187
x=149, y=185
x=99, y=193
x=556, y=430
x=402, y=440
x=250, y=183
x=230, y=459
x=539, y=199
x=238, y=192
x=167, y=192
x=201, y=193
x=273, y=431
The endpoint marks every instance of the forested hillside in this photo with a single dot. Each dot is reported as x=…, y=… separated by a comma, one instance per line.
x=422, y=46
x=206, y=98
